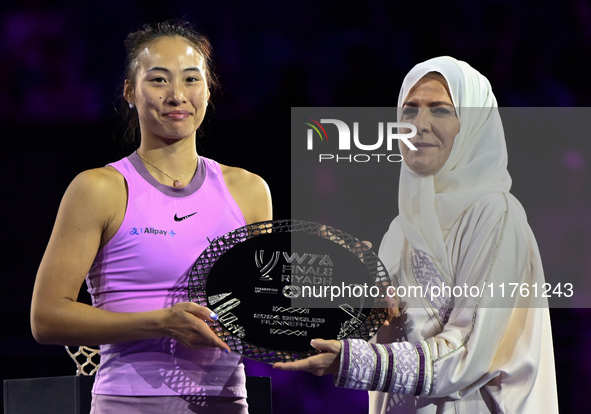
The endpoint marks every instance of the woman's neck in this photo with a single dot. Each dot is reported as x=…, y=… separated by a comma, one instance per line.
x=170, y=161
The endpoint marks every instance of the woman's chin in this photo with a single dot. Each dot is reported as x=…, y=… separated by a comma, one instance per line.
x=421, y=168
x=178, y=135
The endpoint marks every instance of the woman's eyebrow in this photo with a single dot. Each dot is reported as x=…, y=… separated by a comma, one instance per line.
x=435, y=103
x=159, y=68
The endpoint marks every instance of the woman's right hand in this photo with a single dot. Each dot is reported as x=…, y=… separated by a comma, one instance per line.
x=186, y=323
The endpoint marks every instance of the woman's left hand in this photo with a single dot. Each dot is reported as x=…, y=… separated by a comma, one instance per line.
x=324, y=363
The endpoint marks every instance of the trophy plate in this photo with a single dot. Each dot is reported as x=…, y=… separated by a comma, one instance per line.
x=276, y=285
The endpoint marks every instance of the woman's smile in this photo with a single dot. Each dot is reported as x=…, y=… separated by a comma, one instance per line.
x=177, y=114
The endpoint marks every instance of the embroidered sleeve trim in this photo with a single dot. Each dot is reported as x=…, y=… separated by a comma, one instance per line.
x=344, y=365
x=406, y=368
x=400, y=367
x=390, y=372
x=379, y=367
x=359, y=362
x=428, y=368
x=421, y=376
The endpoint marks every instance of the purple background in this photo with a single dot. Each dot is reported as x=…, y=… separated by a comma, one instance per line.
x=61, y=69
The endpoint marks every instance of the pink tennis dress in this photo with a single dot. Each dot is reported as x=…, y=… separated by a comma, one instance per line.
x=145, y=266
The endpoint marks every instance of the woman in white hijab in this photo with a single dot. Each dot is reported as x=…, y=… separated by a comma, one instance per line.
x=478, y=348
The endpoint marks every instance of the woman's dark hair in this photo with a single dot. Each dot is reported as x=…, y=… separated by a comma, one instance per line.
x=138, y=41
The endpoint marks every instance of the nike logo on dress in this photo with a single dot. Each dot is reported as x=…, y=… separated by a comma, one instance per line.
x=182, y=218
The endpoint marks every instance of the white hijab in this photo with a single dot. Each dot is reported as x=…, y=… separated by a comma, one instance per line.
x=477, y=163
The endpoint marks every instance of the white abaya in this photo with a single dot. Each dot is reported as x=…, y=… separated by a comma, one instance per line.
x=488, y=349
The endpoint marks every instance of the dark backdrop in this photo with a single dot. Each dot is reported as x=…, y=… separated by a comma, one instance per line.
x=60, y=74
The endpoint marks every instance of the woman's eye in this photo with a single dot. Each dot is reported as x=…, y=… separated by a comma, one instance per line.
x=440, y=110
x=409, y=111
x=192, y=79
x=158, y=80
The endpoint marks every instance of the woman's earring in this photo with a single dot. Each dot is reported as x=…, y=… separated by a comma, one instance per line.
x=130, y=105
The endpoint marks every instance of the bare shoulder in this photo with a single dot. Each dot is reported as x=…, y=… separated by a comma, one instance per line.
x=250, y=192
x=234, y=176
x=97, y=196
x=98, y=179
x=98, y=186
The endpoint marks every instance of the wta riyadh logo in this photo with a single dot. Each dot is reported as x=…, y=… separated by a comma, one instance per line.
x=371, y=151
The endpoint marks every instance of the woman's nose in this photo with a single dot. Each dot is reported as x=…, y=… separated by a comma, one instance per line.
x=176, y=94
x=423, y=120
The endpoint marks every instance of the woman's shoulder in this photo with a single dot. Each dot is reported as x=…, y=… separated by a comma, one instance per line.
x=487, y=215
x=250, y=192
x=499, y=211
x=235, y=176
x=498, y=205
x=100, y=180
x=97, y=187
x=94, y=198
x=493, y=205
